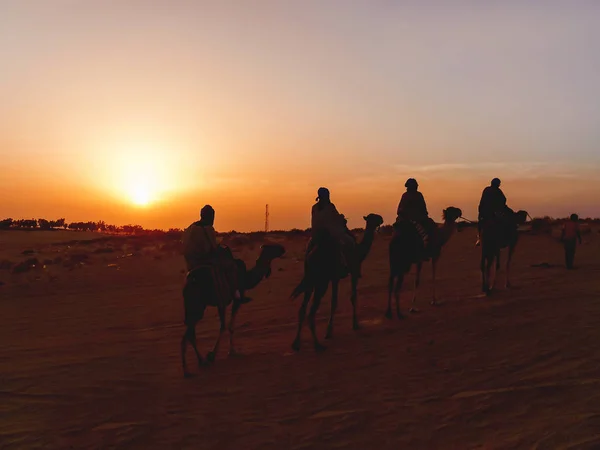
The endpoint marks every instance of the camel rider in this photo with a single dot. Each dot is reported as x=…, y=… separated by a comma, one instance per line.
x=200, y=246
x=325, y=217
x=493, y=201
x=412, y=207
x=492, y=204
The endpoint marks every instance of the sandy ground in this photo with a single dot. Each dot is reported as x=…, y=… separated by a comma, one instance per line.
x=89, y=357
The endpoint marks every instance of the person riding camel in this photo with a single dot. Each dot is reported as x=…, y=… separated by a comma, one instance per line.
x=491, y=206
x=412, y=207
x=200, y=248
x=326, y=218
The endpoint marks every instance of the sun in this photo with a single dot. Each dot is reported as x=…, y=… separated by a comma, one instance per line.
x=140, y=196
x=142, y=174
x=141, y=187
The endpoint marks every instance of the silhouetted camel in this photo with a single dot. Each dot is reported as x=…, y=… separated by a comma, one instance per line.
x=199, y=292
x=322, y=266
x=406, y=249
x=495, y=236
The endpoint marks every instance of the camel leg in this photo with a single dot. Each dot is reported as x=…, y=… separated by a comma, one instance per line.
x=354, y=300
x=511, y=250
x=487, y=261
x=334, y=302
x=482, y=266
x=391, y=280
x=488, y=271
x=413, y=309
x=189, y=336
x=434, y=261
x=319, y=292
x=397, y=290
x=184, y=341
x=234, y=310
x=212, y=355
x=496, y=269
x=301, y=316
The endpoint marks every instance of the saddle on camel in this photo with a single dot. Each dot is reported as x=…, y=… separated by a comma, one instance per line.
x=328, y=226
x=207, y=262
x=412, y=208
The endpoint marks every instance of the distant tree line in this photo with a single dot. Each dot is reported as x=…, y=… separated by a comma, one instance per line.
x=103, y=227
x=100, y=226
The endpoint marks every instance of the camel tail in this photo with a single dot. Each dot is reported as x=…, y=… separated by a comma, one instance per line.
x=300, y=289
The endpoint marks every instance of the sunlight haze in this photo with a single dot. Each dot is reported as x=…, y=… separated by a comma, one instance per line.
x=143, y=111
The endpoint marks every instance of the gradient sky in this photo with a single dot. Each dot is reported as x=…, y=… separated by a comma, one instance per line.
x=244, y=103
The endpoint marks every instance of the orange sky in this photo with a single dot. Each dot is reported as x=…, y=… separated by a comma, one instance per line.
x=182, y=104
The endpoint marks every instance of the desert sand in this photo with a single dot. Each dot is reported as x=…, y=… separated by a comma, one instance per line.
x=89, y=354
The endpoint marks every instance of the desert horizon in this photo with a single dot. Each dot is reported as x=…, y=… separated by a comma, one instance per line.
x=292, y=209
x=102, y=227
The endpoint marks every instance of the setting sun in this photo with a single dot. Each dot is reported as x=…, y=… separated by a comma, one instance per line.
x=140, y=196
x=141, y=173
x=142, y=184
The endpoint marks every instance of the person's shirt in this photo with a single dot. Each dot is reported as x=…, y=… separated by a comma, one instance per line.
x=199, y=244
x=412, y=206
x=492, y=200
x=570, y=231
x=325, y=216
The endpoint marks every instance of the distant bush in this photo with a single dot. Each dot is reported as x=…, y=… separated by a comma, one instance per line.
x=5, y=224
x=542, y=225
x=386, y=229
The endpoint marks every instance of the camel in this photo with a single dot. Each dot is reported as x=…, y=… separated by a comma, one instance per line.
x=323, y=266
x=199, y=292
x=494, y=237
x=406, y=249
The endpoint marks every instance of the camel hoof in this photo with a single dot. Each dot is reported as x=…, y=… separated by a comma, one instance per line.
x=413, y=310
x=400, y=315
x=234, y=354
x=296, y=346
x=388, y=314
x=356, y=326
x=320, y=347
x=435, y=303
x=329, y=335
x=210, y=357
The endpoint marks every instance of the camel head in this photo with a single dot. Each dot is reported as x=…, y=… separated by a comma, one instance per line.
x=269, y=252
x=374, y=221
x=451, y=214
x=521, y=217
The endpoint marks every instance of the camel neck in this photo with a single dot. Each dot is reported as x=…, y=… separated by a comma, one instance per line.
x=447, y=230
x=365, y=244
x=256, y=274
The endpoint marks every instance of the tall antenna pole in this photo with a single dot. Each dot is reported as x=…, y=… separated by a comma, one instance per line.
x=267, y=218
